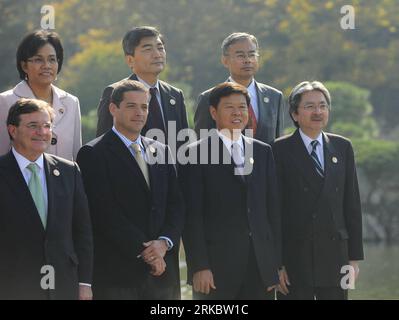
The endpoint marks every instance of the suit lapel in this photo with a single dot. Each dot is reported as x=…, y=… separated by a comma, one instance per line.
x=168, y=105
x=16, y=181
x=331, y=165
x=49, y=169
x=120, y=151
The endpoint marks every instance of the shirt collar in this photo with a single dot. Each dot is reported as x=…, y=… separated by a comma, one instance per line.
x=250, y=87
x=23, y=162
x=147, y=85
x=228, y=142
x=307, y=140
x=126, y=141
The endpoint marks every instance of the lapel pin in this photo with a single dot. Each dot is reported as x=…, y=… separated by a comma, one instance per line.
x=266, y=99
x=172, y=102
x=251, y=160
x=334, y=159
x=56, y=172
x=61, y=110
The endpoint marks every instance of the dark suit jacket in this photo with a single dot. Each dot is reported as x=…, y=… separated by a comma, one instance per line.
x=172, y=112
x=25, y=246
x=271, y=113
x=126, y=213
x=226, y=215
x=321, y=218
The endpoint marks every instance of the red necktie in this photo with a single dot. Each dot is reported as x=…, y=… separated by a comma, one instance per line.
x=252, y=123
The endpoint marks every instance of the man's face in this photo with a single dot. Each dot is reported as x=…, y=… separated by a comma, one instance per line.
x=149, y=57
x=231, y=113
x=242, y=60
x=33, y=134
x=313, y=112
x=131, y=116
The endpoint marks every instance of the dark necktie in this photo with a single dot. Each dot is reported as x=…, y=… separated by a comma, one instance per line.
x=316, y=159
x=155, y=119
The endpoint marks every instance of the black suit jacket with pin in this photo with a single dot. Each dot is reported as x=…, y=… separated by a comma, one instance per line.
x=25, y=246
x=227, y=214
x=173, y=108
x=270, y=123
x=126, y=212
x=321, y=217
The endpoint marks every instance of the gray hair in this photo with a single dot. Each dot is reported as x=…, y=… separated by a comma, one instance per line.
x=235, y=37
x=295, y=96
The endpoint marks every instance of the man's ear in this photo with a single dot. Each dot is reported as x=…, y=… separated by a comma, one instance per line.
x=213, y=112
x=129, y=59
x=11, y=130
x=224, y=61
x=112, y=108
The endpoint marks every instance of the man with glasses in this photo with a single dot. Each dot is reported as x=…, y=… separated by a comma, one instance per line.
x=240, y=54
x=321, y=213
x=46, y=244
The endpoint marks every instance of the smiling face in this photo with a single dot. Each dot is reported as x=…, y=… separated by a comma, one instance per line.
x=231, y=113
x=42, y=68
x=312, y=113
x=131, y=115
x=242, y=60
x=33, y=134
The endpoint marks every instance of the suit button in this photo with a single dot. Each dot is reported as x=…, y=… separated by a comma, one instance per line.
x=249, y=210
x=314, y=216
x=250, y=234
x=333, y=238
x=305, y=189
x=336, y=189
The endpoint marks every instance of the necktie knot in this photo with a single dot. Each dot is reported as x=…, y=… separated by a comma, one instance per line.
x=153, y=91
x=314, y=144
x=136, y=148
x=33, y=167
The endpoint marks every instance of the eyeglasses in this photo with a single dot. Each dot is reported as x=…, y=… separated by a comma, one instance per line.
x=41, y=61
x=313, y=107
x=36, y=126
x=252, y=56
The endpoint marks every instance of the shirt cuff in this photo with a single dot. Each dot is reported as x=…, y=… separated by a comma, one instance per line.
x=85, y=284
x=168, y=241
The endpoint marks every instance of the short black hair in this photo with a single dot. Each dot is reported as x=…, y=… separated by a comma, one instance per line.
x=133, y=37
x=226, y=89
x=31, y=44
x=125, y=86
x=25, y=106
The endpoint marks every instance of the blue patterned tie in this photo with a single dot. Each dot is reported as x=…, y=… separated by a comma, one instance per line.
x=316, y=159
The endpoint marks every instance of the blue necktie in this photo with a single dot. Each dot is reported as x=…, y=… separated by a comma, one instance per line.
x=316, y=159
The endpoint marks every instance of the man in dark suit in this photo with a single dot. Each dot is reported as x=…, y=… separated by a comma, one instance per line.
x=145, y=55
x=232, y=231
x=266, y=109
x=321, y=214
x=46, y=244
x=135, y=203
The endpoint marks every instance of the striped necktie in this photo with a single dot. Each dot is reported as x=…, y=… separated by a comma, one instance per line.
x=316, y=159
